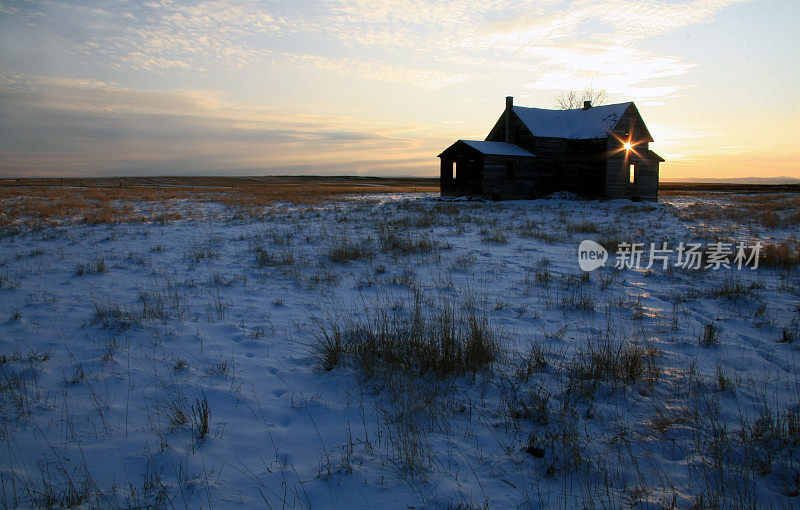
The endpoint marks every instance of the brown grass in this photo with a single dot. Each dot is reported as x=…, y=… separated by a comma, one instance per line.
x=37, y=202
x=781, y=256
x=700, y=188
x=771, y=210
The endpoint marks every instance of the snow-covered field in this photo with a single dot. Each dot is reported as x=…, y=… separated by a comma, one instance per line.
x=215, y=362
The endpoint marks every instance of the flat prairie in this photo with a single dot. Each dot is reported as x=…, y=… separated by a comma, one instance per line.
x=326, y=342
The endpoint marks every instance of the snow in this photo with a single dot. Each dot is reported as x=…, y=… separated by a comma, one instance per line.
x=578, y=124
x=89, y=400
x=497, y=148
x=564, y=195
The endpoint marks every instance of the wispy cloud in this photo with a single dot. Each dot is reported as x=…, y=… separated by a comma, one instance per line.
x=573, y=66
x=423, y=78
x=621, y=21
x=159, y=34
x=580, y=40
x=594, y=43
x=185, y=84
x=64, y=125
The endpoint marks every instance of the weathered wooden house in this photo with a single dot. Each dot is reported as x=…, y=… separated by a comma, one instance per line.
x=594, y=151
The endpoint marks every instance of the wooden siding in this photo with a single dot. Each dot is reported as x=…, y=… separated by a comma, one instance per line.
x=590, y=168
x=466, y=160
x=631, y=127
x=496, y=184
x=486, y=175
x=561, y=165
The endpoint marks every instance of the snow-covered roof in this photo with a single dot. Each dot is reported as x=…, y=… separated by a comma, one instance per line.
x=497, y=148
x=579, y=124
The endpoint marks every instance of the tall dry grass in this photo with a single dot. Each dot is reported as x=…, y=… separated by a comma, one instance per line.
x=444, y=340
x=38, y=202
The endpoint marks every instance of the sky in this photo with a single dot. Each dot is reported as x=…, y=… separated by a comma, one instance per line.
x=380, y=87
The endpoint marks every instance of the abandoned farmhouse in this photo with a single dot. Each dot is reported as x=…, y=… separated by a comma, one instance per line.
x=594, y=152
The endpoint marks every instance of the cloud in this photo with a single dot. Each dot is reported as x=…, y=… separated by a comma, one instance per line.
x=159, y=34
x=188, y=53
x=609, y=20
x=594, y=42
x=422, y=78
x=364, y=37
x=619, y=70
x=72, y=126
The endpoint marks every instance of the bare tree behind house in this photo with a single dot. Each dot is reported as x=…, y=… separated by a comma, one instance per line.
x=573, y=99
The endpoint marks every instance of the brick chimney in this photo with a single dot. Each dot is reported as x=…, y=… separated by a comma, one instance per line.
x=507, y=127
x=587, y=105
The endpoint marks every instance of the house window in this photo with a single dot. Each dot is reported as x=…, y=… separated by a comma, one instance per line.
x=455, y=171
x=511, y=171
x=632, y=173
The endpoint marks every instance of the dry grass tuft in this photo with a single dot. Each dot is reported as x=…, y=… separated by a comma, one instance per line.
x=342, y=249
x=269, y=258
x=391, y=240
x=710, y=335
x=582, y=227
x=621, y=363
x=785, y=255
x=448, y=340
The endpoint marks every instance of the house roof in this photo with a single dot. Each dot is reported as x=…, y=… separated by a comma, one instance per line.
x=653, y=155
x=579, y=124
x=497, y=148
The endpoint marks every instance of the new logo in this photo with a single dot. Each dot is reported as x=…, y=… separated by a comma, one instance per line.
x=591, y=255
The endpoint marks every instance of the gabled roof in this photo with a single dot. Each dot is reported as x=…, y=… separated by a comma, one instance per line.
x=497, y=148
x=579, y=124
x=652, y=155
